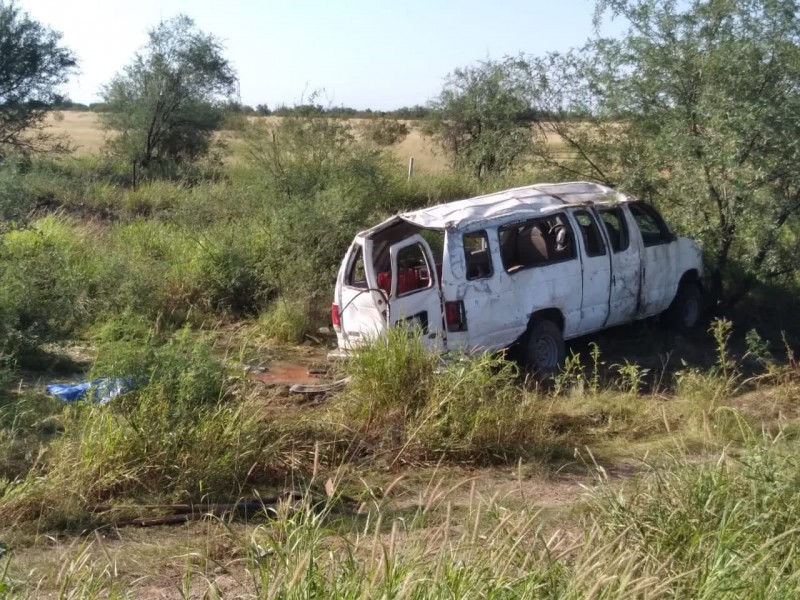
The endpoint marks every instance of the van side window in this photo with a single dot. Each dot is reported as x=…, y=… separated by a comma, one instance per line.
x=536, y=242
x=616, y=228
x=651, y=225
x=356, y=275
x=477, y=256
x=592, y=240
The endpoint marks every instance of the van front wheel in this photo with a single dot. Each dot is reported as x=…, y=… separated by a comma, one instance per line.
x=686, y=309
x=544, y=348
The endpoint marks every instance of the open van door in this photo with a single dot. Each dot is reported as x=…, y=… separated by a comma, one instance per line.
x=359, y=309
x=415, y=297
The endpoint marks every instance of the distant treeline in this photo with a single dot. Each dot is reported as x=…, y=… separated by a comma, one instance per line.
x=415, y=112
x=406, y=112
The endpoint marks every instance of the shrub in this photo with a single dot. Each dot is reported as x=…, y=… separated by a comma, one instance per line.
x=385, y=132
x=45, y=284
x=15, y=201
x=284, y=322
x=180, y=366
x=233, y=273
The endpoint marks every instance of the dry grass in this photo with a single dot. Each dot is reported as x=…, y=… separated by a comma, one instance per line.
x=87, y=136
x=85, y=133
x=82, y=128
x=163, y=562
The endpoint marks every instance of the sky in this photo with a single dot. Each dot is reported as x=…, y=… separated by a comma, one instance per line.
x=362, y=53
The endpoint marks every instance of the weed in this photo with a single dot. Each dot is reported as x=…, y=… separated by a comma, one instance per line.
x=390, y=378
x=467, y=407
x=284, y=322
x=179, y=435
x=721, y=530
x=631, y=377
x=597, y=364
x=571, y=378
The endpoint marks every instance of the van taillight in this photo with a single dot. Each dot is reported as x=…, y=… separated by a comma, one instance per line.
x=455, y=316
x=337, y=322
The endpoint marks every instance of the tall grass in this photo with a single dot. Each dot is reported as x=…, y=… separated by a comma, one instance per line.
x=723, y=530
x=467, y=407
x=719, y=530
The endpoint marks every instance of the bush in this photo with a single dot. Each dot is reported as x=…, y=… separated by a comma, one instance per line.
x=385, y=132
x=15, y=200
x=233, y=270
x=45, y=284
x=180, y=366
x=284, y=322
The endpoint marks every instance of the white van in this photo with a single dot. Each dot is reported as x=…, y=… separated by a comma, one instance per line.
x=534, y=265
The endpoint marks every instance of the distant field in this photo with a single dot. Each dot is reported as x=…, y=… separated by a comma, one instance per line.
x=83, y=128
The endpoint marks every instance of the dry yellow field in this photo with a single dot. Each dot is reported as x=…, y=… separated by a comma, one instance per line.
x=82, y=128
x=86, y=135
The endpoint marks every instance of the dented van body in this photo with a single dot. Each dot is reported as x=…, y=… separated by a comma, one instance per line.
x=534, y=265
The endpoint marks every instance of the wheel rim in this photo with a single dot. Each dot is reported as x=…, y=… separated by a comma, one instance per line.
x=545, y=352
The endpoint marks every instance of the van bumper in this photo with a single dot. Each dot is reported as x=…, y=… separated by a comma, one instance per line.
x=339, y=355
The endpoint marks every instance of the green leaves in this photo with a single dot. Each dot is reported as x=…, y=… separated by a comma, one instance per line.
x=695, y=107
x=167, y=103
x=482, y=117
x=32, y=66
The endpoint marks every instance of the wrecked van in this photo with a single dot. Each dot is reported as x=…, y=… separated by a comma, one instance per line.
x=532, y=266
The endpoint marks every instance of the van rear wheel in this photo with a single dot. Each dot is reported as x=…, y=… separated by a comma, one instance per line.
x=544, y=350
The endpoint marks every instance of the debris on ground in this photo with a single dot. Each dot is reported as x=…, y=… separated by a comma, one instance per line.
x=320, y=388
x=99, y=391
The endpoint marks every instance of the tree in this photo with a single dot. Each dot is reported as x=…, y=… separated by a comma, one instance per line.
x=32, y=67
x=696, y=107
x=479, y=119
x=165, y=105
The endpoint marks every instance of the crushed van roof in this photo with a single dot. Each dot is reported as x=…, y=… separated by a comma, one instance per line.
x=532, y=199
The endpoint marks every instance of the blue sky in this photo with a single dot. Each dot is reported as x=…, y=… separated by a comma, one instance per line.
x=363, y=53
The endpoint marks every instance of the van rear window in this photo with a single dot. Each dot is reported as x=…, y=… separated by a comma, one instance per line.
x=536, y=242
x=356, y=275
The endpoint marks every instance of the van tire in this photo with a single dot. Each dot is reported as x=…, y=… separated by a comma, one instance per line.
x=686, y=309
x=544, y=350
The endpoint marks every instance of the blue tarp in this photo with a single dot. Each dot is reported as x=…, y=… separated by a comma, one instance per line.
x=99, y=391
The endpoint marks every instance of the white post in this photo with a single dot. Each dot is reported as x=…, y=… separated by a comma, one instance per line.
x=410, y=167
